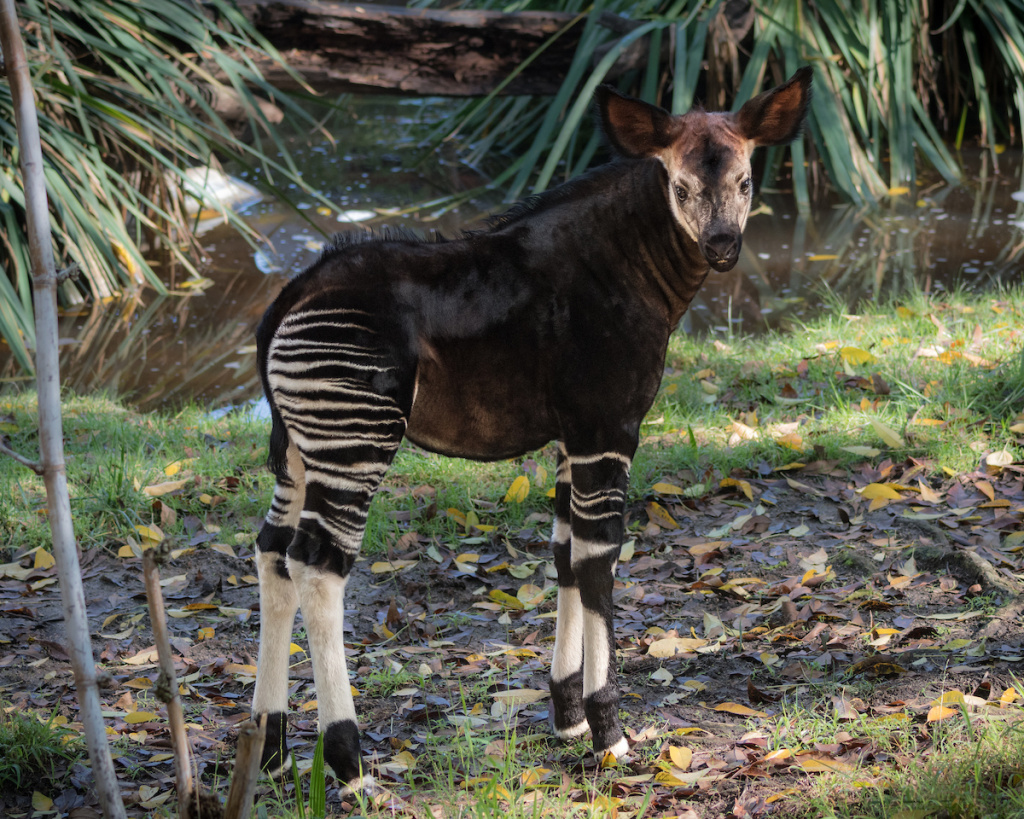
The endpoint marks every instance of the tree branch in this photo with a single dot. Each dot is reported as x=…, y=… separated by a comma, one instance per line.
x=35, y=466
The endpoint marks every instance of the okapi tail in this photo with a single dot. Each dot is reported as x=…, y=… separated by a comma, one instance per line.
x=277, y=457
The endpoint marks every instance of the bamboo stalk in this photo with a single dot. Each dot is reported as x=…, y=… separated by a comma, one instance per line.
x=167, y=684
x=251, y=736
x=51, y=435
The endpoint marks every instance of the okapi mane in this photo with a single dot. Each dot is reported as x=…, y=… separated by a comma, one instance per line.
x=593, y=180
x=384, y=233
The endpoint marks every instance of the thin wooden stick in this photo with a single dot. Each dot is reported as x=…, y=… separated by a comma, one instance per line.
x=167, y=684
x=251, y=736
x=51, y=434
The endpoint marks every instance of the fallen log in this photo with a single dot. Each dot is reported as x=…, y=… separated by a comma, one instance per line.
x=340, y=47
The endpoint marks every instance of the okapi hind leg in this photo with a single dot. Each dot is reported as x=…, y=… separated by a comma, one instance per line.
x=567, y=665
x=278, y=604
x=598, y=497
x=342, y=382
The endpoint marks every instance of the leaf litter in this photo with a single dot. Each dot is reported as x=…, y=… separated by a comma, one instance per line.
x=880, y=594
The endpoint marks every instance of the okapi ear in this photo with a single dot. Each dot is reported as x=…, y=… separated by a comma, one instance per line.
x=635, y=128
x=775, y=117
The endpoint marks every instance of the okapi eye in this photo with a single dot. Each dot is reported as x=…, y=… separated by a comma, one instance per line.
x=681, y=193
x=745, y=185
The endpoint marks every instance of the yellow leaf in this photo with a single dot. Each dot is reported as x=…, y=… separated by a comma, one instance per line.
x=950, y=698
x=681, y=757
x=880, y=490
x=551, y=492
x=826, y=765
x=135, y=717
x=140, y=683
x=151, y=533
x=739, y=710
x=206, y=633
x=458, y=516
x=467, y=557
x=822, y=257
x=540, y=477
x=671, y=646
x=506, y=600
x=240, y=668
x=43, y=559
x=792, y=440
x=743, y=486
x=295, y=648
x=172, y=469
x=518, y=491
x=41, y=802
x=905, y=312
x=223, y=548
x=889, y=436
x=657, y=514
x=157, y=489
x=941, y=712
x=856, y=356
x=667, y=489
x=385, y=566
x=899, y=190
x=665, y=778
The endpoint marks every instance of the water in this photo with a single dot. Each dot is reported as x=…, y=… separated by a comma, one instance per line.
x=162, y=352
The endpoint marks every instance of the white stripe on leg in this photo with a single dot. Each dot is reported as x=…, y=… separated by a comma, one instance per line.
x=278, y=603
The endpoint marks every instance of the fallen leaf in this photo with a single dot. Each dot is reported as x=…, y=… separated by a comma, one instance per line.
x=681, y=757
x=657, y=514
x=518, y=491
x=739, y=710
x=888, y=435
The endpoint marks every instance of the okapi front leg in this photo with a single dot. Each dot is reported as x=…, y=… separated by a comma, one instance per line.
x=597, y=504
x=567, y=666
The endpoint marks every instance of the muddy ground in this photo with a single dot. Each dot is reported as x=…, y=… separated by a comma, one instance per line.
x=794, y=588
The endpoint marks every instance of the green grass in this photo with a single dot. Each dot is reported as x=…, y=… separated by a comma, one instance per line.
x=973, y=774
x=35, y=750
x=953, y=367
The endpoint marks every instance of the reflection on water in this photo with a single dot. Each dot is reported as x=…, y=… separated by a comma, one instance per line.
x=165, y=351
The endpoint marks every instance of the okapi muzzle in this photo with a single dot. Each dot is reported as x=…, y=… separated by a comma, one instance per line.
x=551, y=325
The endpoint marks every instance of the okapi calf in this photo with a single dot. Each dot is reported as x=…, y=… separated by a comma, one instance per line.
x=550, y=325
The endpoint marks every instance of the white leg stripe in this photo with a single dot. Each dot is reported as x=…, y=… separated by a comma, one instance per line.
x=568, y=634
x=583, y=549
x=278, y=603
x=323, y=611
x=593, y=459
x=596, y=662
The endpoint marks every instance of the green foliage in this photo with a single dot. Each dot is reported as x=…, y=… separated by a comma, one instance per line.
x=35, y=751
x=976, y=773
x=125, y=99
x=892, y=78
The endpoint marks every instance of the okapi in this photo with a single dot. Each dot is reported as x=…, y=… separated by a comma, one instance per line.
x=552, y=324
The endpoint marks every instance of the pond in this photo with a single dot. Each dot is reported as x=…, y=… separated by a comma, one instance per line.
x=164, y=351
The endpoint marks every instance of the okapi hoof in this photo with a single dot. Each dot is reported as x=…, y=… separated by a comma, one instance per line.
x=570, y=732
x=365, y=785
x=620, y=750
x=342, y=755
x=276, y=759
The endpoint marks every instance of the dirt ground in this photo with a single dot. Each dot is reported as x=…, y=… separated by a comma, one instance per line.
x=784, y=590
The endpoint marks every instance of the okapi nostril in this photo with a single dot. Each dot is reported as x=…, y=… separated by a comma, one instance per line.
x=722, y=246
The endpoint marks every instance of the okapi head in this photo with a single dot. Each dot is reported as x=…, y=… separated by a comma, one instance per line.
x=707, y=156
